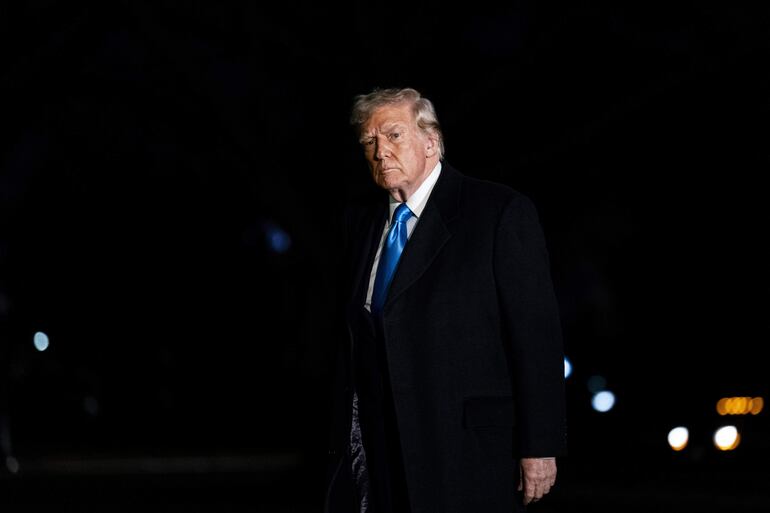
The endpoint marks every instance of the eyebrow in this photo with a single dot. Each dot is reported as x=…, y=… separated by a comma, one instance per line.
x=391, y=126
x=385, y=129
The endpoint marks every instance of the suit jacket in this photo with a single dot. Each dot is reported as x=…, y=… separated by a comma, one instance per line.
x=472, y=344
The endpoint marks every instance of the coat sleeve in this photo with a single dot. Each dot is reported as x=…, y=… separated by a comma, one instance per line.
x=532, y=330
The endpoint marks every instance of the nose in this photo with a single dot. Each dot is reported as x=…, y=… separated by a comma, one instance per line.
x=382, y=149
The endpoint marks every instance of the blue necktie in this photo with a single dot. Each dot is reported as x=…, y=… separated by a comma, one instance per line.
x=391, y=253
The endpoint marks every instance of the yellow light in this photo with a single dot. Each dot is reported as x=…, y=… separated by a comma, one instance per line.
x=727, y=438
x=678, y=438
x=740, y=405
x=722, y=406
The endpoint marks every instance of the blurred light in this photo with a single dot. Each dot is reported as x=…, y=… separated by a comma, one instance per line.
x=91, y=405
x=41, y=341
x=603, y=401
x=277, y=238
x=678, y=438
x=567, y=368
x=727, y=438
x=596, y=384
x=740, y=405
x=12, y=464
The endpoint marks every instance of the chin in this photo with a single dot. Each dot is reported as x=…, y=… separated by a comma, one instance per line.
x=391, y=184
x=391, y=178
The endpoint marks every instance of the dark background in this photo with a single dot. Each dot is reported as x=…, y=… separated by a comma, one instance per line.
x=172, y=174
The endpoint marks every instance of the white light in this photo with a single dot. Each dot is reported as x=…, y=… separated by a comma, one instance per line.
x=41, y=341
x=12, y=464
x=603, y=401
x=678, y=438
x=567, y=368
x=727, y=438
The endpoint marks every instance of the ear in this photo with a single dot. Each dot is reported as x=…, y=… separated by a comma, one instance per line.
x=431, y=145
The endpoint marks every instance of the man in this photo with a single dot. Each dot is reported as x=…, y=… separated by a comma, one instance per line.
x=450, y=385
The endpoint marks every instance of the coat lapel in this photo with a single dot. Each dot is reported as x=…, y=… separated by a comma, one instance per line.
x=430, y=234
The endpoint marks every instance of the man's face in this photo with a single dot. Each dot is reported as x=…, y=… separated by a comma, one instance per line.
x=397, y=151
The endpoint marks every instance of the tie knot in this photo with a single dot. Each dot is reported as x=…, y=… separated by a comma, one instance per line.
x=402, y=214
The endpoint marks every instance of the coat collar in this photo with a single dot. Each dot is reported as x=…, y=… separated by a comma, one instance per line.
x=430, y=234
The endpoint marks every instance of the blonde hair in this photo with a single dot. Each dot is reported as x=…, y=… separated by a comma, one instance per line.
x=364, y=106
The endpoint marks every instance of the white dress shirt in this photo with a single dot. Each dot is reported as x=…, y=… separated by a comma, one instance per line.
x=416, y=203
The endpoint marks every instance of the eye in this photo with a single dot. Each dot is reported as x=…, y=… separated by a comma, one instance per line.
x=368, y=142
x=394, y=135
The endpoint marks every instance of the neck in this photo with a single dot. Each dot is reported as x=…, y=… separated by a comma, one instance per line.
x=402, y=194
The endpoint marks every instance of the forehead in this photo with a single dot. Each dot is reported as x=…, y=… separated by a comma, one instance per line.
x=388, y=115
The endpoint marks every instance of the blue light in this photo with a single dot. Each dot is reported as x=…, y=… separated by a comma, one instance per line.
x=603, y=401
x=41, y=341
x=277, y=238
x=567, y=368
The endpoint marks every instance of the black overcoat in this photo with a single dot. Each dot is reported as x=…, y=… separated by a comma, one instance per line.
x=472, y=344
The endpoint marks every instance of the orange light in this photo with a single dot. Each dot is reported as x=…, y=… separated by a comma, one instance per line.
x=740, y=405
x=722, y=406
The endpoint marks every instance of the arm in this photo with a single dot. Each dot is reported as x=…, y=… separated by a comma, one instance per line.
x=533, y=333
